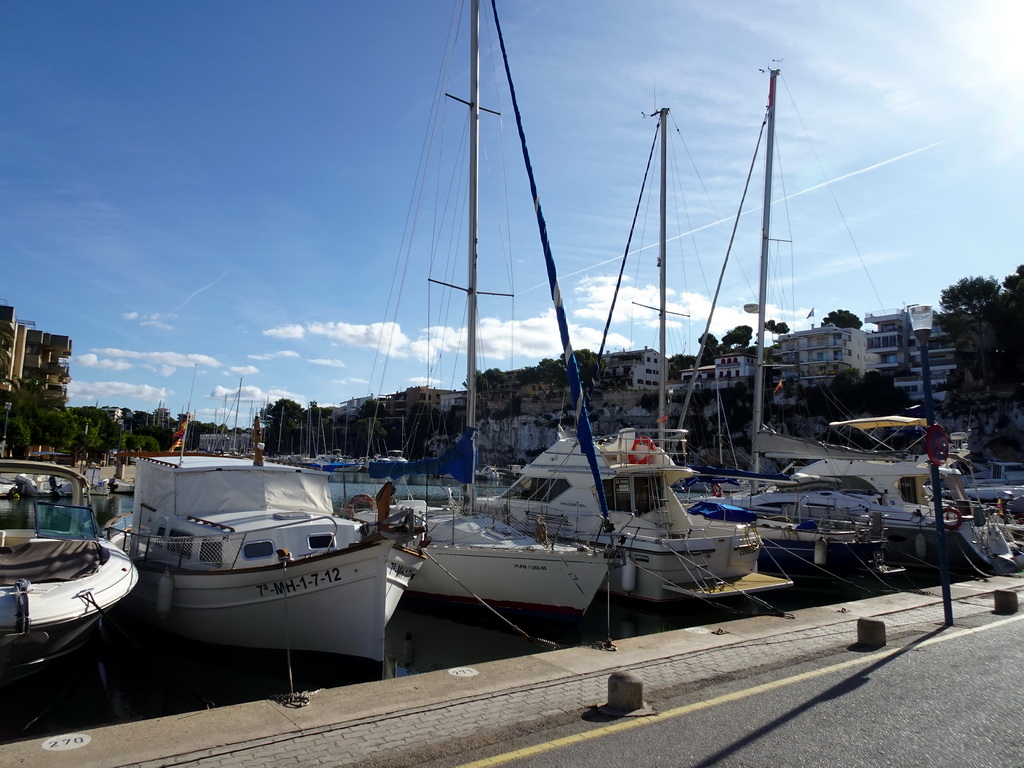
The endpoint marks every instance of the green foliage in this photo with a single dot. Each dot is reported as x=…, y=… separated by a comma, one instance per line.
x=737, y=339
x=842, y=318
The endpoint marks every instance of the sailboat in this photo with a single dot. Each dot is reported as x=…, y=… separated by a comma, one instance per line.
x=879, y=496
x=475, y=559
x=793, y=544
x=616, y=491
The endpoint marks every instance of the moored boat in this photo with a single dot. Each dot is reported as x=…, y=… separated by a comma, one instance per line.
x=56, y=580
x=244, y=553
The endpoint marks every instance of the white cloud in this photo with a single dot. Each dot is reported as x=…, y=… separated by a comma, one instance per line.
x=285, y=332
x=274, y=355
x=326, y=362
x=242, y=370
x=90, y=360
x=87, y=393
x=386, y=337
x=169, y=360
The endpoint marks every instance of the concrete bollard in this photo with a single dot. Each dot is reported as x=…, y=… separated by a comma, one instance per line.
x=871, y=632
x=625, y=695
x=1005, y=601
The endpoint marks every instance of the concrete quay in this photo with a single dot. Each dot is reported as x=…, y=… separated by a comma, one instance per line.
x=449, y=716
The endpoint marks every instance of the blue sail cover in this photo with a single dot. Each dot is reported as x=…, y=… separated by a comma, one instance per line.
x=713, y=510
x=458, y=463
x=583, y=429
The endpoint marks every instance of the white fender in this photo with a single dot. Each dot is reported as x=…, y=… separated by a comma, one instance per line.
x=164, y=594
x=820, y=552
x=920, y=546
x=628, y=576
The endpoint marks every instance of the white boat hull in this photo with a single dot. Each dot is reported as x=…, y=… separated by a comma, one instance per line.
x=61, y=614
x=537, y=582
x=311, y=604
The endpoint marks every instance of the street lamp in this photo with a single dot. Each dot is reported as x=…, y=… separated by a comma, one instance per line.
x=7, y=415
x=921, y=323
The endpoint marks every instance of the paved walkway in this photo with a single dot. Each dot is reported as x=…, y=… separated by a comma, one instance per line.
x=412, y=720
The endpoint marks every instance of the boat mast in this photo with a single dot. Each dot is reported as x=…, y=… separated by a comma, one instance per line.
x=471, y=289
x=762, y=291
x=662, y=239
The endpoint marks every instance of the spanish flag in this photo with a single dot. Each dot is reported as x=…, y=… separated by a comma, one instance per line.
x=179, y=436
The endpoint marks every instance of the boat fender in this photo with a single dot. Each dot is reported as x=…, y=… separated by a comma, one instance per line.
x=628, y=576
x=920, y=546
x=952, y=518
x=716, y=490
x=164, y=593
x=820, y=552
x=641, y=458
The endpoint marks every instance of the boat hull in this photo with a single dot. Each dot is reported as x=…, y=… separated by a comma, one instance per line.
x=801, y=558
x=312, y=604
x=537, y=582
x=656, y=570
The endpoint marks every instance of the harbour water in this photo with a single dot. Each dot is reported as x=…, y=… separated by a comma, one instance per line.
x=131, y=671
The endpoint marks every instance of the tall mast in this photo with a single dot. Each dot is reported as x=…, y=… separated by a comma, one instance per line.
x=471, y=292
x=762, y=291
x=662, y=238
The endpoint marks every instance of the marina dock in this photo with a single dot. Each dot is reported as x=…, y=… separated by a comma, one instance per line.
x=514, y=709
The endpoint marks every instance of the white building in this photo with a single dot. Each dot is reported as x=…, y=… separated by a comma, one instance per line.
x=636, y=369
x=819, y=354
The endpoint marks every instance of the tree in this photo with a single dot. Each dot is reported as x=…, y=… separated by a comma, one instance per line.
x=711, y=349
x=842, y=318
x=738, y=338
x=776, y=329
x=968, y=309
x=1009, y=320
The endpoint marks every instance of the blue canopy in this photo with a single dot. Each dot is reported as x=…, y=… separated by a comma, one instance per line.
x=458, y=463
x=714, y=510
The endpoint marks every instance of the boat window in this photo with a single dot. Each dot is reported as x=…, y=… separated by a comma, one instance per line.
x=646, y=494
x=854, y=483
x=321, y=540
x=617, y=493
x=908, y=490
x=254, y=550
x=538, y=489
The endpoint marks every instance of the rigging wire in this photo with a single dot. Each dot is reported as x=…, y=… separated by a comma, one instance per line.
x=828, y=184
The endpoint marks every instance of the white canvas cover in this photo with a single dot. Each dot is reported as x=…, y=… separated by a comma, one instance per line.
x=202, y=485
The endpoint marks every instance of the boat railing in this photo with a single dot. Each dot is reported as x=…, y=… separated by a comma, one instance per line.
x=201, y=553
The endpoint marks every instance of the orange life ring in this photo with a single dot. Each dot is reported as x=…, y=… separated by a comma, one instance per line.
x=716, y=490
x=647, y=443
x=361, y=497
x=952, y=518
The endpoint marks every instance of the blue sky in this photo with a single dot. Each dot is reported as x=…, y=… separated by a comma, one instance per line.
x=211, y=195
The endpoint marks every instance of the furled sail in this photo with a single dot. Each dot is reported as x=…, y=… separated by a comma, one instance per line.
x=583, y=429
x=458, y=463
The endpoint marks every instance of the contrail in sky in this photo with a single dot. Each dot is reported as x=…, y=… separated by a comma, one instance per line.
x=197, y=292
x=754, y=210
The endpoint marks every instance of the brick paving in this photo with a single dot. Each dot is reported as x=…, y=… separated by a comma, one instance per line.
x=409, y=720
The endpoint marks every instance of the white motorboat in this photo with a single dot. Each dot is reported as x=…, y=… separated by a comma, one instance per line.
x=244, y=553
x=668, y=553
x=892, y=489
x=56, y=580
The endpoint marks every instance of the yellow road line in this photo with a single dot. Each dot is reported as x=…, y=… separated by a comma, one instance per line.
x=625, y=725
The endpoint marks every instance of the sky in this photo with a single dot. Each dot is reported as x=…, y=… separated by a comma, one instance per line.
x=224, y=204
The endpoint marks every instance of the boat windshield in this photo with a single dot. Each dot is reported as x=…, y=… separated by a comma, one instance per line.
x=65, y=521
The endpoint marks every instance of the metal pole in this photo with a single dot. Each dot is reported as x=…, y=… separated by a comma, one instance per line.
x=940, y=526
x=7, y=415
